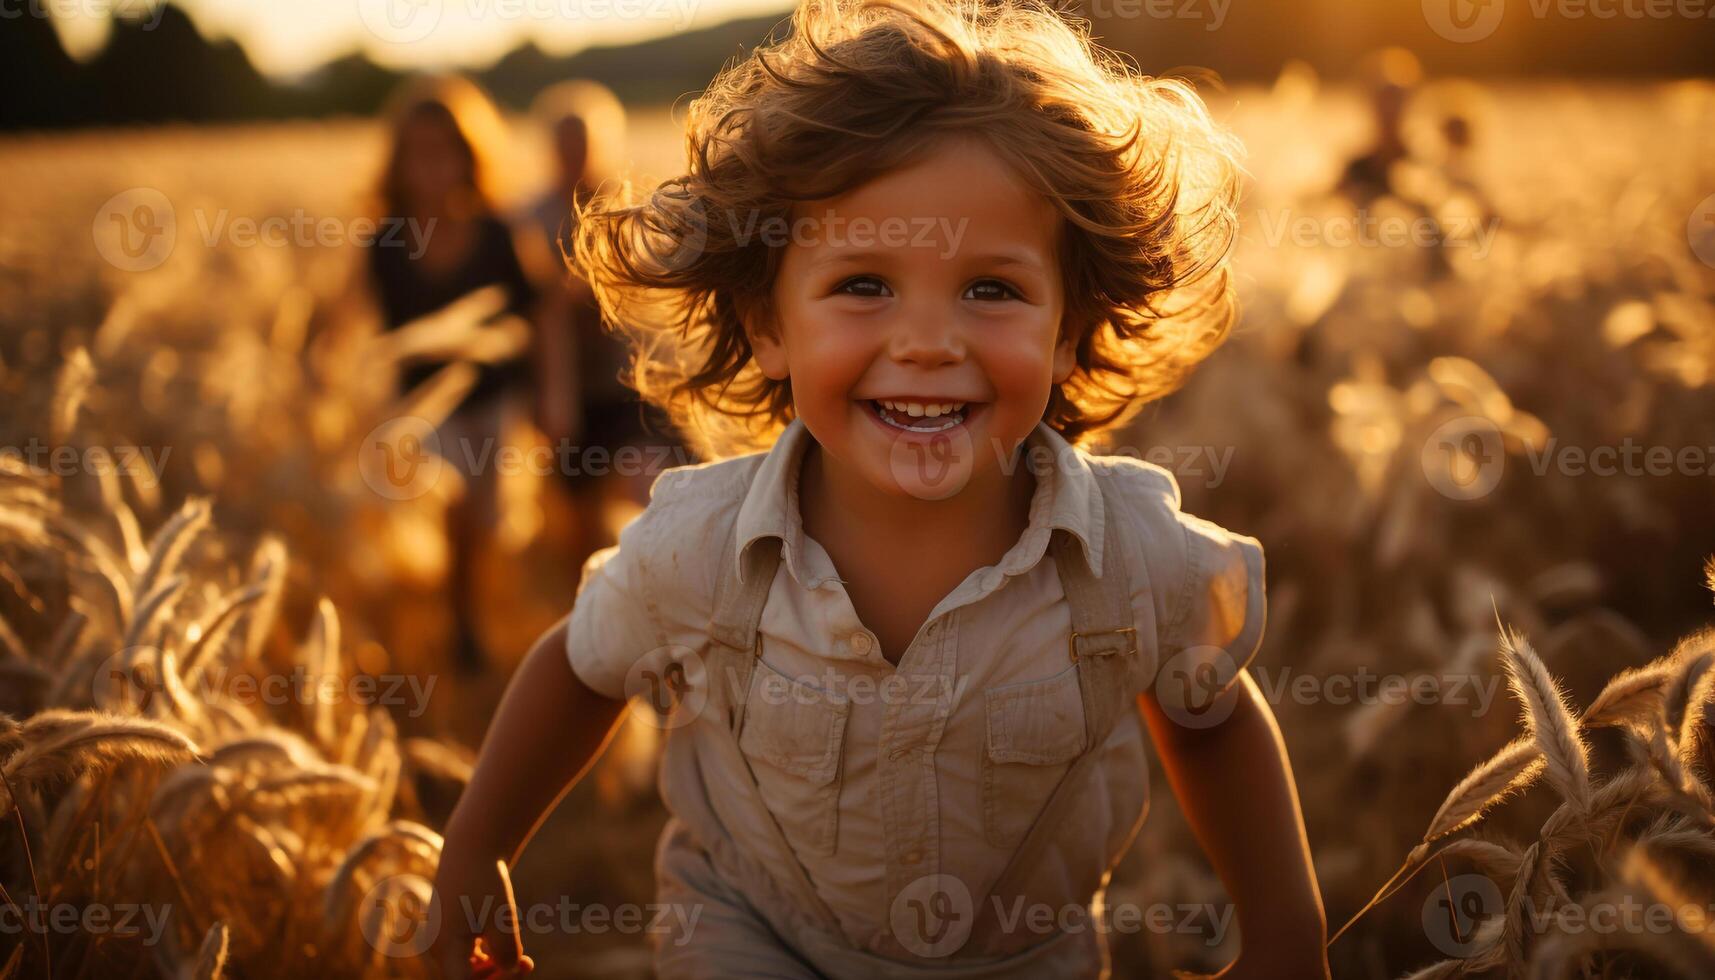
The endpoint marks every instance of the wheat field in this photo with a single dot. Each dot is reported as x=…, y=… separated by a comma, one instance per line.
x=1564, y=305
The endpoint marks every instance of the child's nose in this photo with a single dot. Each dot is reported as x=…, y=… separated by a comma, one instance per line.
x=926, y=338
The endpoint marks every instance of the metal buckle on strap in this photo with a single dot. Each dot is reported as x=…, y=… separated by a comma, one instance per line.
x=1072, y=641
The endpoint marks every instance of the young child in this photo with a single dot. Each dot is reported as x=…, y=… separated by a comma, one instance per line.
x=908, y=644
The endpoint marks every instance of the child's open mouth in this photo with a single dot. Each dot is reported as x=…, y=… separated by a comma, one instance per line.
x=920, y=416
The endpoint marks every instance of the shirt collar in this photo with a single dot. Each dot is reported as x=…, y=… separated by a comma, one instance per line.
x=1066, y=496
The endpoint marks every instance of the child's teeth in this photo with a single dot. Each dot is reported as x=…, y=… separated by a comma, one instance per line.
x=922, y=410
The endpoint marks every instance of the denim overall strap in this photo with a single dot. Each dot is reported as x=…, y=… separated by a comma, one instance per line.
x=776, y=880
x=1106, y=640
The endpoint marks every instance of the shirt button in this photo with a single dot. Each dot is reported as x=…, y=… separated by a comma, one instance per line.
x=861, y=644
x=912, y=856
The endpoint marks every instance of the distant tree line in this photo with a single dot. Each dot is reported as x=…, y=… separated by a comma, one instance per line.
x=165, y=70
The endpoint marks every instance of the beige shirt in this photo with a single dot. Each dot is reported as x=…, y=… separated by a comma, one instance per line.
x=941, y=764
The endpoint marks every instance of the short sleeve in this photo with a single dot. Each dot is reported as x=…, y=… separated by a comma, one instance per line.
x=1198, y=584
x=654, y=588
x=1222, y=601
x=612, y=624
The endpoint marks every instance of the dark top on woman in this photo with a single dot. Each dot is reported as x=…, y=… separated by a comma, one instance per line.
x=406, y=294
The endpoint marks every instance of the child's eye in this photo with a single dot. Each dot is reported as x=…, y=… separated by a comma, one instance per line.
x=991, y=290
x=863, y=286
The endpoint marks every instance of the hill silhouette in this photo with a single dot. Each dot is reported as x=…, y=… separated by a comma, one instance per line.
x=171, y=72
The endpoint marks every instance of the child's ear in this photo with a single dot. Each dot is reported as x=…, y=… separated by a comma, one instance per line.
x=1066, y=351
x=763, y=331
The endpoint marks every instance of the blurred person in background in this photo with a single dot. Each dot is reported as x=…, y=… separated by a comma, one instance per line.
x=441, y=173
x=583, y=400
x=1390, y=77
x=1418, y=166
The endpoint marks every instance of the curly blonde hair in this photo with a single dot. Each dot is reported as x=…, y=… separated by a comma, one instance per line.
x=1147, y=183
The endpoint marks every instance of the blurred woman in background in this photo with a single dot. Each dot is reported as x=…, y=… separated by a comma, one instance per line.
x=440, y=179
x=583, y=399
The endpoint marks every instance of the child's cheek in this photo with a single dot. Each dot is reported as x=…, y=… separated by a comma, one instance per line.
x=1021, y=371
x=833, y=363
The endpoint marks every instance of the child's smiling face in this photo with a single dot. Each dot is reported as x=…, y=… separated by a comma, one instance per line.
x=934, y=284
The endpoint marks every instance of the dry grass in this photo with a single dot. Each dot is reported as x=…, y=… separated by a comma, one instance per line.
x=1640, y=834
x=1588, y=322
x=259, y=825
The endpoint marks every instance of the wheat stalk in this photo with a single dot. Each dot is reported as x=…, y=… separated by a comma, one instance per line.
x=76, y=377
x=172, y=541
x=1631, y=697
x=211, y=958
x=1694, y=727
x=98, y=743
x=1548, y=719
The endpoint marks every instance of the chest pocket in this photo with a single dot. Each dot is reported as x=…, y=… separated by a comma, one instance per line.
x=792, y=736
x=1035, y=731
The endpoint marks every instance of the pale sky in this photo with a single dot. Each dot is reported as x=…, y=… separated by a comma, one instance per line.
x=290, y=36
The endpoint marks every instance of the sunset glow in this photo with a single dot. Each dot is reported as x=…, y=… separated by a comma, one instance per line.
x=290, y=38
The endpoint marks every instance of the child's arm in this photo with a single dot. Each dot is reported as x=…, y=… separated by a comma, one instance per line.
x=547, y=730
x=1234, y=783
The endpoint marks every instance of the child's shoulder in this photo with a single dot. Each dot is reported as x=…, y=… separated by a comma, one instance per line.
x=713, y=482
x=1207, y=581
x=691, y=510
x=1145, y=497
x=1139, y=484
x=663, y=567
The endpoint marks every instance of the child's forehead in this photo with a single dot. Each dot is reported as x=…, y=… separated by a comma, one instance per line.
x=954, y=178
x=943, y=167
